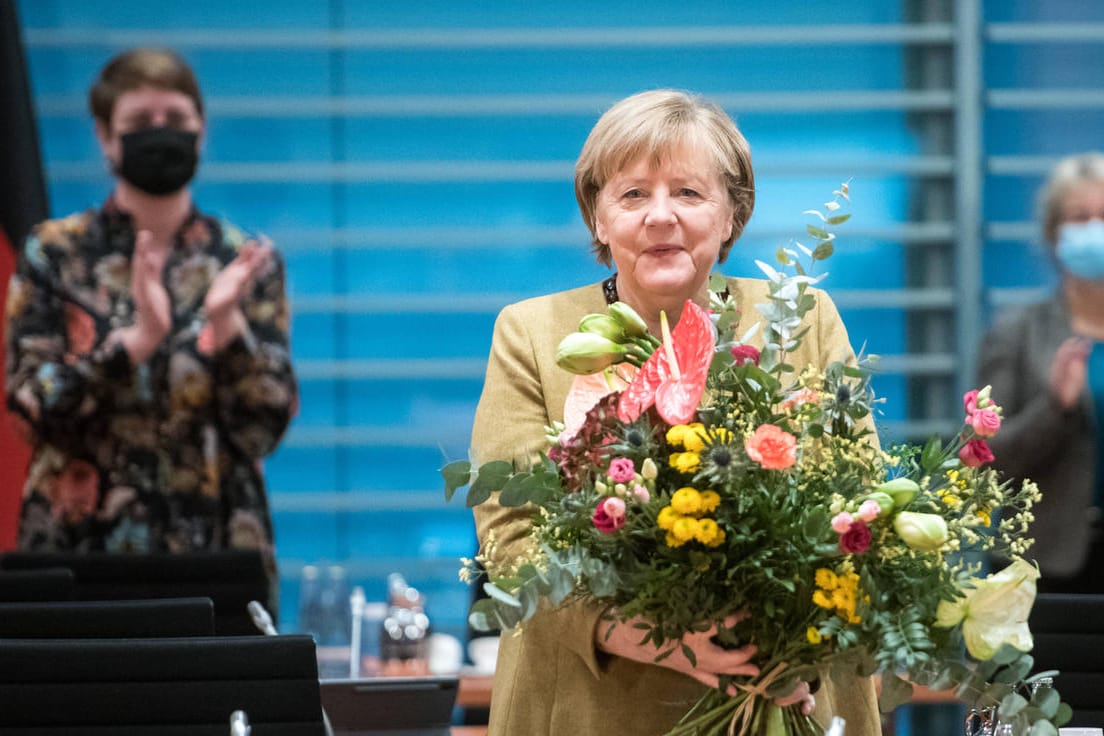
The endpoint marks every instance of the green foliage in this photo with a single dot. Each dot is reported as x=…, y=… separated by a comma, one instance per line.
x=843, y=554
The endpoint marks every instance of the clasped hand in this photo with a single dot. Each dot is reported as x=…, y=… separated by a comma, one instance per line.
x=712, y=660
x=153, y=308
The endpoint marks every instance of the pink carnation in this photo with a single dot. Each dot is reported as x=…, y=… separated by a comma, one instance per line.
x=621, y=470
x=772, y=447
x=869, y=510
x=842, y=521
x=975, y=453
x=745, y=354
x=985, y=422
x=605, y=523
x=614, y=507
x=856, y=539
x=969, y=402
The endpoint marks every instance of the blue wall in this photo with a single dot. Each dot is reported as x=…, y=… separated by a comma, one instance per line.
x=434, y=219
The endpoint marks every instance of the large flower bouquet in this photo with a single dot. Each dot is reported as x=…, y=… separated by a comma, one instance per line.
x=699, y=477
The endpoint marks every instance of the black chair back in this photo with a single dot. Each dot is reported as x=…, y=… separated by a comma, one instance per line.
x=107, y=619
x=1069, y=637
x=230, y=578
x=159, y=686
x=41, y=584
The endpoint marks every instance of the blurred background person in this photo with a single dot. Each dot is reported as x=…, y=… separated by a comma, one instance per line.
x=147, y=345
x=1046, y=366
x=665, y=186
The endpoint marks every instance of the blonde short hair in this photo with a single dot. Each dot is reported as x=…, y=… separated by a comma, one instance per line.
x=1063, y=178
x=655, y=124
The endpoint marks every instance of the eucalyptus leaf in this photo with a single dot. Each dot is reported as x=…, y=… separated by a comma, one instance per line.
x=456, y=474
x=1044, y=728
x=476, y=496
x=498, y=594
x=1047, y=700
x=480, y=621
x=824, y=251
x=1011, y=705
x=818, y=232
x=514, y=492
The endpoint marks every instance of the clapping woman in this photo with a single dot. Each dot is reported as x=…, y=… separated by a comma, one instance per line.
x=147, y=345
x=1046, y=366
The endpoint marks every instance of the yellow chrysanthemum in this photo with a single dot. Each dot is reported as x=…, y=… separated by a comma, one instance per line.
x=676, y=434
x=687, y=501
x=813, y=636
x=822, y=599
x=667, y=518
x=673, y=541
x=685, y=528
x=710, y=500
x=693, y=439
x=685, y=462
x=826, y=579
x=709, y=533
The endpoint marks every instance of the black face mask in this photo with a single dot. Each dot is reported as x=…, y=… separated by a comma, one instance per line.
x=158, y=160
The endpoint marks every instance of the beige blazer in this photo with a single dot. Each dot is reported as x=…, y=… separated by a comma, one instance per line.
x=550, y=679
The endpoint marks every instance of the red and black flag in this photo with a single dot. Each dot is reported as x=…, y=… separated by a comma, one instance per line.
x=22, y=204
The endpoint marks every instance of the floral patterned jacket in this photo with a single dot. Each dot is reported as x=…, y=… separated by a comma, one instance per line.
x=159, y=457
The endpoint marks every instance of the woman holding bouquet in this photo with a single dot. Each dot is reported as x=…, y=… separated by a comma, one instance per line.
x=665, y=185
x=1046, y=367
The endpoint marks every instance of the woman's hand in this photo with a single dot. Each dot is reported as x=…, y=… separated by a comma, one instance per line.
x=712, y=660
x=1069, y=371
x=152, y=308
x=222, y=304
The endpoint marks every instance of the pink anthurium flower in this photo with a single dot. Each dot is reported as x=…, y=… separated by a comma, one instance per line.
x=673, y=378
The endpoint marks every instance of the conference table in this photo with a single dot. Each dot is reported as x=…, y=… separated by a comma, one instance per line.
x=474, y=692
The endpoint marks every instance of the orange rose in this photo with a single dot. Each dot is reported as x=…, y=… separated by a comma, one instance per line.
x=772, y=448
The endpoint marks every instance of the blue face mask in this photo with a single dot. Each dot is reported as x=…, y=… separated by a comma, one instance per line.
x=1081, y=249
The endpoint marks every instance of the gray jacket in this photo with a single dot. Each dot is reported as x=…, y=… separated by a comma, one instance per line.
x=1040, y=441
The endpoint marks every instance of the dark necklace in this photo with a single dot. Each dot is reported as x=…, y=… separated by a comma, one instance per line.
x=609, y=290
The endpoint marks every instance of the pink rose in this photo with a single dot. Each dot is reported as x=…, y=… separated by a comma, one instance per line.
x=621, y=470
x=841, y=522
x=869, y=510
x=855, y=540
x=604, y=523
x=975, y=453
x=745, y=354
x=969, y=402
x=772, y=447
x=985, y=422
